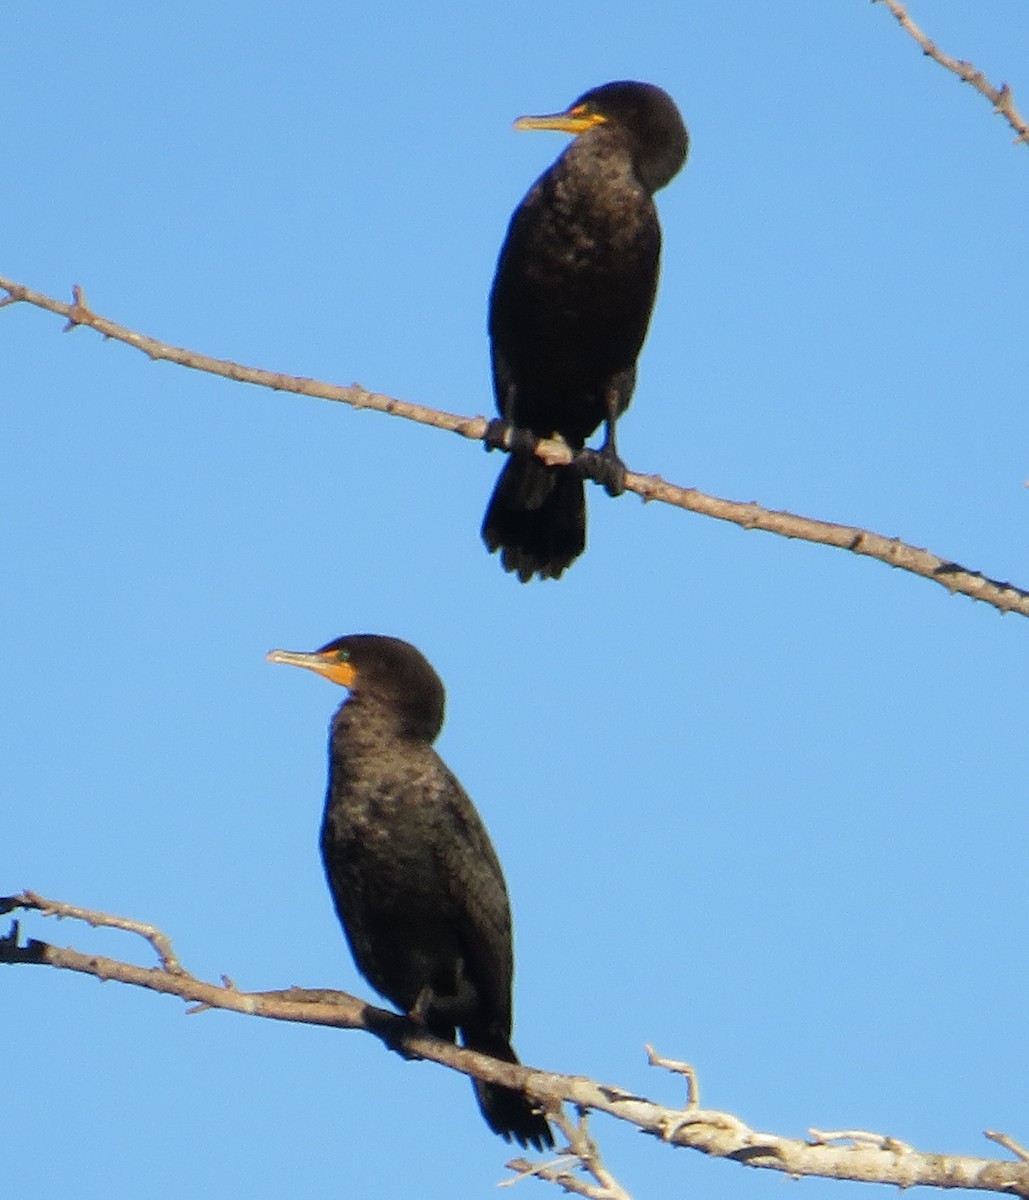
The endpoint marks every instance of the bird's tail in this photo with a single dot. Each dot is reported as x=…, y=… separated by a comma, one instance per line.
x=536, y=518
x=507, y=1112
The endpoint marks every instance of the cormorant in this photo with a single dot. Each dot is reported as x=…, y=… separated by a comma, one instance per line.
x=415, y=879
x=569, y=310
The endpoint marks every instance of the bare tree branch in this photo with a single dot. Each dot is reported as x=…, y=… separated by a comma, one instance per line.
x=678, y=1068
x=1005, y=597
x=866, y=1157
x=1009, y=1143
x=1001, y=98
x=56, y=908
x=583, y=1152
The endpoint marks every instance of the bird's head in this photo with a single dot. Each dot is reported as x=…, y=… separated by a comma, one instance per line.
x=644, y=114
x=385, y=670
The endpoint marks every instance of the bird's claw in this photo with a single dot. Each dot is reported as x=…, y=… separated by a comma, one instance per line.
x=501, y=435
x=495, y=437
x=603, y=467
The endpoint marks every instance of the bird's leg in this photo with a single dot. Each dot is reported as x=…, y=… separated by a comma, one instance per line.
x=614, y=483
x=419, y=1011
x=604, y=466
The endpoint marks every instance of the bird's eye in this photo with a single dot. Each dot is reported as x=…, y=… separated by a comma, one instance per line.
x=343, y=655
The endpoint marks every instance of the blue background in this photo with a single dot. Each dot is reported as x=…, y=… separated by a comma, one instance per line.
x=760, y=803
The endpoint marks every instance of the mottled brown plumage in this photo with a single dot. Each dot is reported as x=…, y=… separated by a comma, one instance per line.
x=569, y=309
x=415, y=879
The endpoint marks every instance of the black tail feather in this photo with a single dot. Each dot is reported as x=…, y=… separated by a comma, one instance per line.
x=506, y=1111
x=536, y=518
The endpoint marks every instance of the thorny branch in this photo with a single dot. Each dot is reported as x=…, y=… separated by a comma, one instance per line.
x=1001, y=98
x=864, y=1157
x=1005, y=597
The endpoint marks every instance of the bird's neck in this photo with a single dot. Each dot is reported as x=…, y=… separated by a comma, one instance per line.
x=363, y=730
x=601, y=163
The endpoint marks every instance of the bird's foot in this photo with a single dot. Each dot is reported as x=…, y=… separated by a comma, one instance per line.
x=495, y=437
x=501, y=435
x=392, y=1029
x=603, y=467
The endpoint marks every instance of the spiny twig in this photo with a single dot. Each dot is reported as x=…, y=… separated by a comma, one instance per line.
x=1001, y=98
x=869, y=1158
x=1009, y=1143
x=56, y=908
x=1006, y=597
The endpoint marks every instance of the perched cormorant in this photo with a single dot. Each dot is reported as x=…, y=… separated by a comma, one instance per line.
x=413, y=874
x=569, y=310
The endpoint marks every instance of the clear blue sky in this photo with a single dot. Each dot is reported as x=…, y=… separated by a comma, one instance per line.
x=760, y=803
